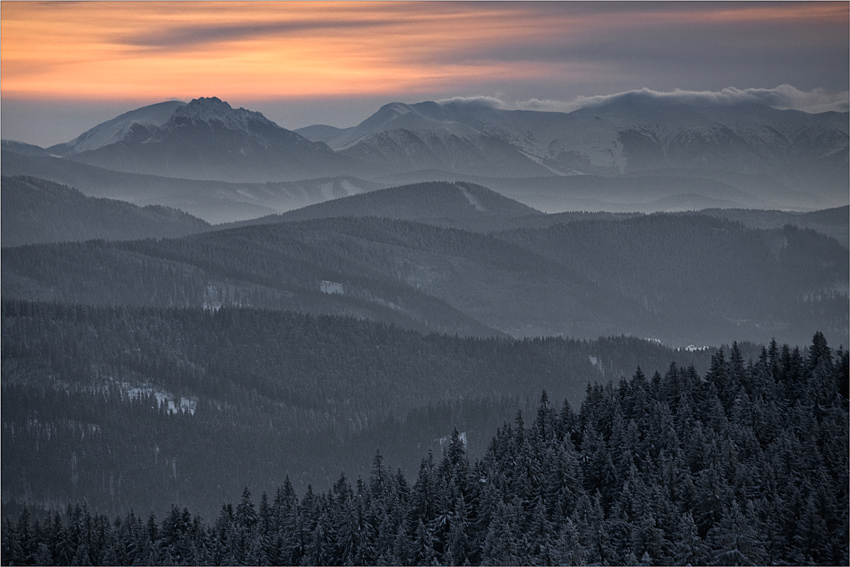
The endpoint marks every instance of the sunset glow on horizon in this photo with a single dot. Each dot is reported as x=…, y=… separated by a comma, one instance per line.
x=67, y=65
x=254, y=49
x=263, y=50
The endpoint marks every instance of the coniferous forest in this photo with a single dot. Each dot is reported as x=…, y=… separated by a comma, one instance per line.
x=746, y=464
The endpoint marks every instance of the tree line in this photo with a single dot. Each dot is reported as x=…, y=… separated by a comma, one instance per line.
x=155, y=406
x=747, y=464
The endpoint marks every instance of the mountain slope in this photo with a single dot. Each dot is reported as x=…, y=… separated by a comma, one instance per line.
x=214, y=201
x=743, y=138
x=460, y=205
x=421, y=276
x=804, y=155
x=698, y=273
x=320, y=132
x=401, y=137
x=681, y=279
x=734, y=419
x=834, y=222
x=192, y=405
x=38, y=211
x=24, y=148
x=322, y=270
x=133, y=126
x=208, y=139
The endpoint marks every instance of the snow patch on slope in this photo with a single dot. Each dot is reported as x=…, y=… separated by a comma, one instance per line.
x=173, y=403
x=539, y=161
x=444, y=441
x=327, y=190
x=473, y=200
x=350, y=187
x=330, y=287
x=395, y=117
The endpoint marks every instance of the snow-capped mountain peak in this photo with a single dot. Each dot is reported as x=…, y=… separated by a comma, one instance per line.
x=396, y=116
x=139, y=123
x=214, y=110
x=398, y=108
x=209, y=139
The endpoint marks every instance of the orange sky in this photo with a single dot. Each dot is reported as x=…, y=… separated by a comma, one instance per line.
x=264, y=50
x=161, y=49
x=65, y=66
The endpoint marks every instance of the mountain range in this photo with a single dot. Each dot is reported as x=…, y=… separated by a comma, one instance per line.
x=633, y=134
x=680, y=278
x=460, y=250
x=213, y=201
x=205, y=139
x=630, y=154
x=435, y=267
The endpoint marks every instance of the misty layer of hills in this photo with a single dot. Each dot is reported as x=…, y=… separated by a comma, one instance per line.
x=632, y=154
x=39, y=211
x=680, y=278
x=459, y=205
x=213, y=201
x=196, y=300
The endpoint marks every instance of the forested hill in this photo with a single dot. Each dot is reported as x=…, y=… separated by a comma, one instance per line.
x=213, y=201
x=38, y=211
x=680, y=279
x=141, y=407
x=460, y=205
x=745, y=465
x=695, y=270
x=834, y=222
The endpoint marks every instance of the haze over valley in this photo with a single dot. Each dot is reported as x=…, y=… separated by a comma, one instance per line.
x=633, y=153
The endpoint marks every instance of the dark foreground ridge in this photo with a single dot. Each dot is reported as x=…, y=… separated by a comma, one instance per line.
x=746, y=465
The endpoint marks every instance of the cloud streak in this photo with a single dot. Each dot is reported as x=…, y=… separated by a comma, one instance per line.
x=263, y=50
x=783, y=97
x=197, y=35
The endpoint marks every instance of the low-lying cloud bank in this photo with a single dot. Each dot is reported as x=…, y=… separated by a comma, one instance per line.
x=783, y=97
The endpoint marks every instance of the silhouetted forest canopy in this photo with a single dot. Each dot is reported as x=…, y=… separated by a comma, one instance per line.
x=141, y=407
x=747, y=464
